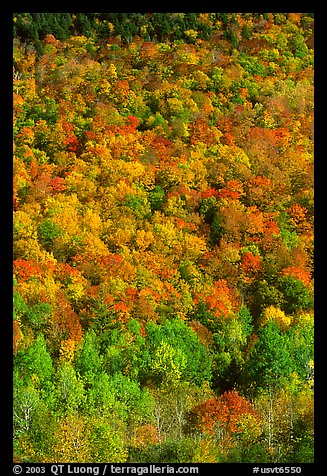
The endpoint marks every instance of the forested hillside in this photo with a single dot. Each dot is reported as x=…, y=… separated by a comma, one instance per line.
x=163, y=237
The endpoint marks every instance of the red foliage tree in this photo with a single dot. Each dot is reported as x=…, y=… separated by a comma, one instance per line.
x=65, y=322
x=222, y=414
x=25, y=269
x=250, y=264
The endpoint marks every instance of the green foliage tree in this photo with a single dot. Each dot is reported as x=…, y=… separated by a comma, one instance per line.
x=39, y=316
x=69, y=389
x=107, y=441
x=176, y=353
x=88, y=359
x=47, y=231
x=156, y=197
x=37, y=364
x=270, y=363
x=296, y=295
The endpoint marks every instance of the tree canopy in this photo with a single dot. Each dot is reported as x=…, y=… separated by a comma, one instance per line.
x=163, y=237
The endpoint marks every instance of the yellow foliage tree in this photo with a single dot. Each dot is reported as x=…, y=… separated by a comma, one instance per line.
x=67, y=349
x=72, y=440
x=272, y=313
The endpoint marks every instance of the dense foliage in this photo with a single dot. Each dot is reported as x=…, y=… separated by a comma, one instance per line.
x=163, y=237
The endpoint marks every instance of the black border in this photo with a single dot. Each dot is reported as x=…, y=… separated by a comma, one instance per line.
x=6, y=210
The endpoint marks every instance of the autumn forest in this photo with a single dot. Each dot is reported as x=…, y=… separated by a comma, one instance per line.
x=163, y=237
